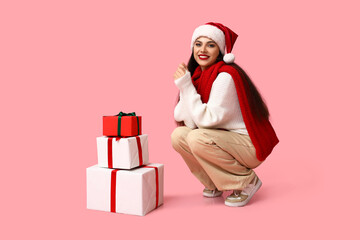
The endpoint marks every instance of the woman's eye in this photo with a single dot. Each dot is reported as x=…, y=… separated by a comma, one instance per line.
x=198, y=44
x=211, y=45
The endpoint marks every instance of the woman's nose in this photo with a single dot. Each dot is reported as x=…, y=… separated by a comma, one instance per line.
x=203, y=49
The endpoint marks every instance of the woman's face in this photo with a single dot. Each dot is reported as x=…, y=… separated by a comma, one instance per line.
x=205, y=52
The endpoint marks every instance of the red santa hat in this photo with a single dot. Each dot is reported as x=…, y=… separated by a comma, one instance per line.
x=222, y=35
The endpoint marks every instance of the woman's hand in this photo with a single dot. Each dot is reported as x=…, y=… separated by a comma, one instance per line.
x=180, y=71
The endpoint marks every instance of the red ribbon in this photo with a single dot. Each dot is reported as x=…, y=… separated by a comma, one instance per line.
x=113, y=188
x=157, y=183
x=139, y=150
x=110, y=155
x=113, y=191
x=110, y=159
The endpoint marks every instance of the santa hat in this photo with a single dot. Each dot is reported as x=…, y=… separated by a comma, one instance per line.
x=223, y=36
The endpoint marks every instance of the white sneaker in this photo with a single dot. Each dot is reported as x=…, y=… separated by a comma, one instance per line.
x=211, y=193
x=240, y=198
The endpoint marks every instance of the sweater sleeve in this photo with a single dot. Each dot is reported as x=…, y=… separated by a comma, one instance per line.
x=222, y=104
x=181, y=112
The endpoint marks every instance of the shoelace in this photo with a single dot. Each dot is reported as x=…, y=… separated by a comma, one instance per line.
x=237, y=193
x=214, y=191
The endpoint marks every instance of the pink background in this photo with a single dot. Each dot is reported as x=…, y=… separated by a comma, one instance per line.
x=64, y=64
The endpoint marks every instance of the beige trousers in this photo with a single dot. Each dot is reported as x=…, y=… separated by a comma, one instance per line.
x=218, y=158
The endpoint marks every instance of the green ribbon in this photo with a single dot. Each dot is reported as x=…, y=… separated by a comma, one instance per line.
x=122, y=114
x=126, y=114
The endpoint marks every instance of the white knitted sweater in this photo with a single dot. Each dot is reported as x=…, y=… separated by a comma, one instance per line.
x=221, y=111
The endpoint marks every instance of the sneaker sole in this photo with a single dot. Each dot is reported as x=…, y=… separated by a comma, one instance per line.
x=241, y=204
x=208, y=195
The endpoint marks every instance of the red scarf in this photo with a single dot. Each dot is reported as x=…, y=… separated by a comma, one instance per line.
x=260, y=131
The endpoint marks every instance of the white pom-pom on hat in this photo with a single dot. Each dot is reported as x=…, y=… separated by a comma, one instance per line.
x=229, y=58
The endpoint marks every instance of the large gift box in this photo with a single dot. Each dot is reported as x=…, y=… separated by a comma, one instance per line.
x=124, y=153
x=123, y=124
x=136, y=191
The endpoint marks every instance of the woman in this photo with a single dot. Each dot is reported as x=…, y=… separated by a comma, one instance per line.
x=224, y=130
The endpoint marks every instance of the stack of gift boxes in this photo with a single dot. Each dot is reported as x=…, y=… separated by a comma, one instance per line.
x=124, y=181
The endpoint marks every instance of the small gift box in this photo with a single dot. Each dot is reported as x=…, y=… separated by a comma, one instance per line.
x=123, y=124
x=124, y=153
x=137, y=191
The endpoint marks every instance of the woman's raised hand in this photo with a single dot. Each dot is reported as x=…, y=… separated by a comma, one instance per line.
x=181, y=70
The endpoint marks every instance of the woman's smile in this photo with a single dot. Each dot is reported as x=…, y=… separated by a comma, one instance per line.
x=205, y=52
x=203, y=56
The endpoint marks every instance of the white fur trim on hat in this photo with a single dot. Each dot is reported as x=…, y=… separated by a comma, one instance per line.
x=229, y=58
x=211, y=32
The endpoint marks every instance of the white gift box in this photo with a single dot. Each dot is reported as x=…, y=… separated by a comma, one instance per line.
x=136, y=191
x=123, y=153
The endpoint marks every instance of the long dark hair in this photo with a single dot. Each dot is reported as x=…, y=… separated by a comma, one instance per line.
x=256, y=102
